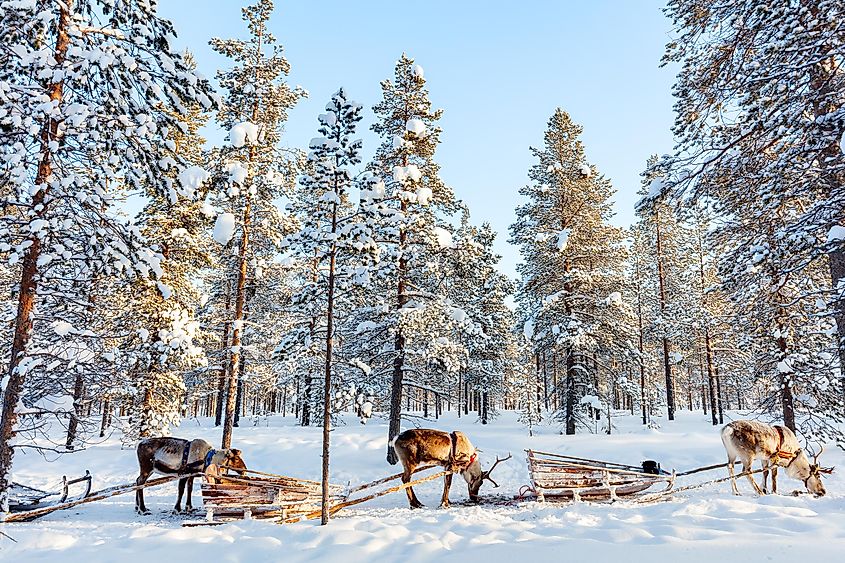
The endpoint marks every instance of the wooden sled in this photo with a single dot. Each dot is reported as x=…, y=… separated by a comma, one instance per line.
x=256, y=494
x=286, y=500
x=558, y=477
x=23, y=498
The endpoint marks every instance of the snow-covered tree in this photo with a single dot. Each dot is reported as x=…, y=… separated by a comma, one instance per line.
x=572, y=270
x=337, y=237
x=749, y=105
x=411, y=226
x=165, y=343
x=669, y=269
x=90, y=92
x=251, y=171
x=478, y=292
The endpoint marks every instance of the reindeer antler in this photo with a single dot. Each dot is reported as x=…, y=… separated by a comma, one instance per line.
x=818, y=455
x=486, y=474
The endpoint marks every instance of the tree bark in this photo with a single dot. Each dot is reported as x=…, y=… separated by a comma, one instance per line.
x=327, y=415
x=104, y=422
x=667, y=369
x=73, y=423
x=224, y=360
x=395, y=421
x=570, y=392
x=29, y=267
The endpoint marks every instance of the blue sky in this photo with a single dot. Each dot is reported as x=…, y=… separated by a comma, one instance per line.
x=498, y=69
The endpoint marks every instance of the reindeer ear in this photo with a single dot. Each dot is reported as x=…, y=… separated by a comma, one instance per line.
x=236, y=452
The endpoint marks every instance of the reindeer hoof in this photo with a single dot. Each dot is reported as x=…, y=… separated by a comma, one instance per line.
x=417, y=505
x=143, y=512
x=444, y=505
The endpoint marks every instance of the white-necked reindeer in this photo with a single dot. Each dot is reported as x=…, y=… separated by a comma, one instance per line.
x=775, y=446
x=423, y=447
x=177, y=456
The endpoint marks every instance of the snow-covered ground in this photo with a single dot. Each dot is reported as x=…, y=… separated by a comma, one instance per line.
x=700, y=525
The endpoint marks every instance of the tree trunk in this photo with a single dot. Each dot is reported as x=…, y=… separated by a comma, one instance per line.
x=224, y=360
x=73, y=424
x=237, y=328
x=785, y=387
x=570, y=392
x=719, y=395
x=484, y=407
x=239, y=395
x=667, y=369
x=460, y=385
x=545, y=382
x=29, y=267
x=327, y=415
x=104, y=422
x=395, y=421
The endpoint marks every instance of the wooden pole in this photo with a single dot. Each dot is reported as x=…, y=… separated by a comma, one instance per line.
x=93, y=497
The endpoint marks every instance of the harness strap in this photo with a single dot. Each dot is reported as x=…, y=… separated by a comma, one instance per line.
x=781, y=454
x=453, y=453
x=185, y=453
x=205, y=462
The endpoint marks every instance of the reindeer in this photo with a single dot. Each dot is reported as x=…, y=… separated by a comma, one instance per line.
x=775, y=446
x=454, y=452
x=177, y=456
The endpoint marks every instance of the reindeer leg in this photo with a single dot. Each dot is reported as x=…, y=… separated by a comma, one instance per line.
x=412, y=497
x=447, y=484
x=775, y=478
x=765, y=476
x=145, y=465
x=746, y=467
x=732, y=475
x=178, y=507
x=189, y=505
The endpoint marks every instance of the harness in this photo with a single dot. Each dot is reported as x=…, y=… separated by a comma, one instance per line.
x=454, y=465
x=781, y=454
x=190, y=467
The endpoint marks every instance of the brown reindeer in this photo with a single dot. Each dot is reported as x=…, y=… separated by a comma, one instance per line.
x=425, y=447
x=177, y=456
x=775, y=446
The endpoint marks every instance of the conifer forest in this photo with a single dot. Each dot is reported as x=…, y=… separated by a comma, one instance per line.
x=174, y=262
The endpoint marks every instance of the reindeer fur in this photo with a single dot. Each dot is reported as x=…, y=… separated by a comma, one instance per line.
x=748, y=440
x=423, y=447
x=164, y=455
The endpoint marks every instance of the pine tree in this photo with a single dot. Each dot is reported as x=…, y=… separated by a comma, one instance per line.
x=166, y=346
x=749, y=105
x=252, y=170
x=115, y=92
x=573, y=259
x=478, y=291
x=411, y=222
x=669, y=242
x=338, y=238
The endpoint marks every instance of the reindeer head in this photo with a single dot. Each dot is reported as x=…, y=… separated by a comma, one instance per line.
x=229, y=459
x=810, y=473
x=475, y=476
